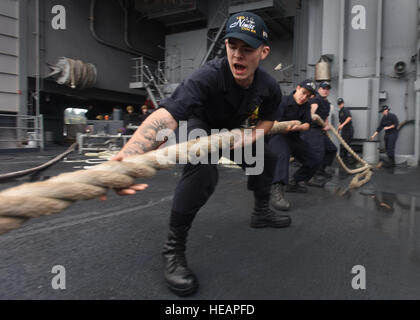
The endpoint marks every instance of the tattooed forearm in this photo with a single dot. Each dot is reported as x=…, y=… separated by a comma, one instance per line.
x=156, y=125
x=144, y=139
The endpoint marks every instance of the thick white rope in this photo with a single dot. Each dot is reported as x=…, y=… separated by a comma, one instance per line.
x=37, y=199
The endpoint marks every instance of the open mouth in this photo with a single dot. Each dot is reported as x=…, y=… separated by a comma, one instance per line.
x=239, y=68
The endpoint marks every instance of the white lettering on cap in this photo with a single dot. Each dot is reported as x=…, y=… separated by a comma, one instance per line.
x=244, y=23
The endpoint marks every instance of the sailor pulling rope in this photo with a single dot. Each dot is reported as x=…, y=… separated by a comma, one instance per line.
x=363, y=174
x=36, y=199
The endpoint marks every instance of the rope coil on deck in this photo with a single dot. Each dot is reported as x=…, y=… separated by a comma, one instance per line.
x=363, y=174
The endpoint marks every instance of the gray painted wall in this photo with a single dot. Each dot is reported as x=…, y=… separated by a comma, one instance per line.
x=184, y=52
x=114, y=67
x=281, y=52
x=399, y=44
x=9, y=56
x=314, y=34
x=300, y=43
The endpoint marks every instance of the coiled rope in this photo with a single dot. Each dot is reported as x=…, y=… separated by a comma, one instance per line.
x=74, y=73
x=363, y=174
x=30, y=200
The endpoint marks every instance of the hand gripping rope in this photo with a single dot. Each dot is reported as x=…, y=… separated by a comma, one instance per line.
x=36, y=199
x=30, y=200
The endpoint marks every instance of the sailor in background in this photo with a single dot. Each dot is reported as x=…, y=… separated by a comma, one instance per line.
x=323, y=148
x=293, y=107
x=389, y=123
x=345, y=127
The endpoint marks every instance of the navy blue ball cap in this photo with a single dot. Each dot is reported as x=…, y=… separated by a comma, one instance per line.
x=324, y=85
x=340, y=101
x=384, y=108
x=248, y=27
x=309, y=85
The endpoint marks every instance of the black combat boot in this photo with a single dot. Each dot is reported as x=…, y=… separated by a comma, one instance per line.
x=323, y=173
x=392, y=161
x=179, y=278
x=296, y=186
x=316, y=182
x=278, y=201
x=263, y=216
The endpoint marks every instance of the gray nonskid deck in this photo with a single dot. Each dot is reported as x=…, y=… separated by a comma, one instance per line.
x=111, y=249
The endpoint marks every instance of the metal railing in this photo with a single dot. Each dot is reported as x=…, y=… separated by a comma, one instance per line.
x=144, y=75
x=138, y=69
x=145, y=79
x=160, y=73
x=21, y=131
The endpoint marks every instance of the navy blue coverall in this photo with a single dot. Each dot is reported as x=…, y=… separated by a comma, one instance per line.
x=283, y=145
x=347, y=131
x=391, y=135
x=211, y=99
x=323, y=148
